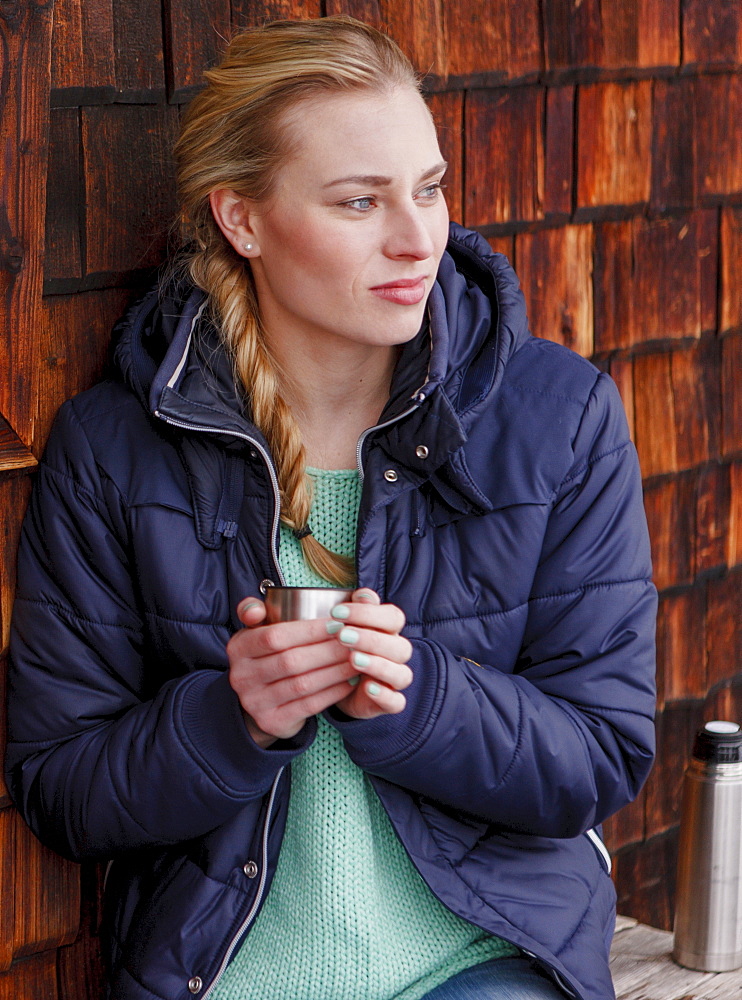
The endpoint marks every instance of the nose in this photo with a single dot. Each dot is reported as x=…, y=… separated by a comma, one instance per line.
x=410, y=232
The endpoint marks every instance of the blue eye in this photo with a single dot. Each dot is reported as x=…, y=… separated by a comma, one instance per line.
x=360, y=204
x=431, y=191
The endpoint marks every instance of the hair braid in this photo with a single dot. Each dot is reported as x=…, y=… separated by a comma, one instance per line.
x=236, y=134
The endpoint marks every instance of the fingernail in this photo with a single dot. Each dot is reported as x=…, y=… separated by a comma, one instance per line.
x=373, y=690
x=364, y=596
x=247, y=606
x=353, y=680
x=349, y=636
x=340, y=612
x=333, y=627
x=360, y=660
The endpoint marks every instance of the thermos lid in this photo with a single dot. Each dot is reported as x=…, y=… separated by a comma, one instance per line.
x=719, y=742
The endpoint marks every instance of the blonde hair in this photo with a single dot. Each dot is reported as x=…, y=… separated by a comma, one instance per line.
x=237, y=134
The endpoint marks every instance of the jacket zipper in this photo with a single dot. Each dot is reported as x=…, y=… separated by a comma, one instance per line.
x=418, y=397
x=184, y=425
x=258, y=898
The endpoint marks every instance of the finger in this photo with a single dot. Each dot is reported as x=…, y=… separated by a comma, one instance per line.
x=391, y=647
x=289, y=716
x=276, y=638
x=366, y=595
x=370, y=700
x=251, y=611
x=382, y=617
x=395, y=675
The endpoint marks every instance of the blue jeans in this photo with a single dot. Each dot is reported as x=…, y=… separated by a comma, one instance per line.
x=500, y=979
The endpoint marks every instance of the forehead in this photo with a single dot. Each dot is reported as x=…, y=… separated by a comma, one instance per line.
x=362, y=132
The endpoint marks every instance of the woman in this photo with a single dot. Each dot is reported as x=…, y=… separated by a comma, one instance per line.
x=333, y=388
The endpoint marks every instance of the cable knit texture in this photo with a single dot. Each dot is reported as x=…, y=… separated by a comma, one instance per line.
x=347, y=914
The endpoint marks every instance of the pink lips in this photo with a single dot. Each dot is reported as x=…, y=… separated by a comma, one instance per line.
x=405, y=292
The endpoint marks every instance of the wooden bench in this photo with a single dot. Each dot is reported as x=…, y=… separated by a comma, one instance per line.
x=643, y=969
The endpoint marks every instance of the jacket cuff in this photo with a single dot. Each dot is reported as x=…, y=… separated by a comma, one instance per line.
x=211, y=724
x=390, y=738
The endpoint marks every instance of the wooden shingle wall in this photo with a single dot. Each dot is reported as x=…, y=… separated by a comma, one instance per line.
x=598, y=144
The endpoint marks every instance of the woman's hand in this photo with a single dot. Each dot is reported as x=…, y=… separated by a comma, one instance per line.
x=370, y=635
x=285, y=673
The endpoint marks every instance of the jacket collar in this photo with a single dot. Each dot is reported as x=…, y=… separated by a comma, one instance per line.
x=170, y=355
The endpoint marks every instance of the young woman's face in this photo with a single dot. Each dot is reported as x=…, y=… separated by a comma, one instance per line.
x=348, y=246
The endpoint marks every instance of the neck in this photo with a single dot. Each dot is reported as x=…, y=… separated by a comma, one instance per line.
x=334, y=396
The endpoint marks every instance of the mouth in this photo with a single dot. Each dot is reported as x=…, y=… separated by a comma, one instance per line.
x=405, y=291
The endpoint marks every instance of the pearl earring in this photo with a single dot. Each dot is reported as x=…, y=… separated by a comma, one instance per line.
x=247, y=246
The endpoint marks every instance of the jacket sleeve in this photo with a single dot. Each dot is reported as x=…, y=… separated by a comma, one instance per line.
x=555, y=743
x=99, y=760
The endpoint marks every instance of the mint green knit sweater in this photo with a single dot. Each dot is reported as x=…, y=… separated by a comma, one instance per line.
x=347, y=915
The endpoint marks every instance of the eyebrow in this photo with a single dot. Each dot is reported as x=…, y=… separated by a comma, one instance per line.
x=378, y=180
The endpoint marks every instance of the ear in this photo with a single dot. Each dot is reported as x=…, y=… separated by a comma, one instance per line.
x=232, y=213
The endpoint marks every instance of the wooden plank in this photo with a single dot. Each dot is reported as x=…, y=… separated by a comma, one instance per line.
x=713, y=495
x=654, y=408
x=655, y=279
x=64, y=208
x=712, y=33
x=734, y=535
x=140, y=70
x=681, y=668
x=74, y=343
x=368, y=11
x=573, y=35
x=723, y=632
x=13, y=500
x=674, y=174
x=719, y=107
x=626, y=826
x=612, y=280
x=197, y=32
x=448, y=112
x=79, y=965
x=670, y=511
x=645, y=877
x=33, y=979
x=658, y=33
x=7, y=912
x=128, y=211
x=696, y=378
x=730, y=292
x=251, y=13
x=622, y=372
x=731, y=394
x=555, y=271
x=493, y=37
x=504, y=127
x=83, y=46
x=559, y=153
x=614, y=144
x=13, y=452
x=47, y=895
x=25, y=39
x=609, y=34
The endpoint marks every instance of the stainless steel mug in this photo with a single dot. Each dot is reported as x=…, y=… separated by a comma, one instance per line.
x=708, y=908
x=286, y=604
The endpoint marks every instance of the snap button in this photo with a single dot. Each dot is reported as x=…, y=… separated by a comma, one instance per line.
x=195, y=985
x=391, y=476
x=250, y=869
x=420, y=397
x=264, y=584
x=422, y=451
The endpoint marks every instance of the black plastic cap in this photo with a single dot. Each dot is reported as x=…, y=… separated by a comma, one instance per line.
x=719, y=743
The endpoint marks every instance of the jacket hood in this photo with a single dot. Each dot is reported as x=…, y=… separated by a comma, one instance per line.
x=169, y=354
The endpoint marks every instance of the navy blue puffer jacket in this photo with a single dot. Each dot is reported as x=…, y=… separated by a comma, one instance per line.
x=514, y=541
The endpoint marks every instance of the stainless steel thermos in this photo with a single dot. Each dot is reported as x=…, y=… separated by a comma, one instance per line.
x=708, y=908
